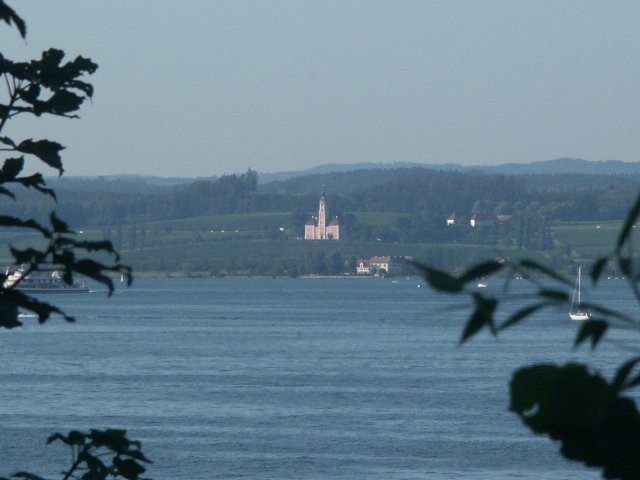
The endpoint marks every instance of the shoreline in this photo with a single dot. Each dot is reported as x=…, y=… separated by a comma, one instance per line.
x=178, y=275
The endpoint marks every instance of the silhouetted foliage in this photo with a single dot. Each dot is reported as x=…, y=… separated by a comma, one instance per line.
x=46, y=86
x=51, y=86
x=592, y=418
x=98, y=454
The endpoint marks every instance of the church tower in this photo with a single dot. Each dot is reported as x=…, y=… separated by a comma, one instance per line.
x=322, y=216
x=318, y=228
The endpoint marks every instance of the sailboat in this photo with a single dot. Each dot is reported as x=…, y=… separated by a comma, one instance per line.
x=578, y=313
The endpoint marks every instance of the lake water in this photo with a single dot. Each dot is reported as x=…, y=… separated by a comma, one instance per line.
x=284, y=379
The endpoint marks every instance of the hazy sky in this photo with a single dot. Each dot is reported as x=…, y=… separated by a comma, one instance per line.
x=203, y=87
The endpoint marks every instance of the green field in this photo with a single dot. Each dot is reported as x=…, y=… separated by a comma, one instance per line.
x=589, y=240
x=267, y=244
x=289, y=257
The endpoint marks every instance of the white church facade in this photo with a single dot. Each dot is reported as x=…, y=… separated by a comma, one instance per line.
x=317, y=228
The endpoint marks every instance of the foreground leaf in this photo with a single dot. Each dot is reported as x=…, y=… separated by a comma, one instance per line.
x=483, y=269
x=592, y=330
x=593, y=424
x=438, y=279
x=481, y=317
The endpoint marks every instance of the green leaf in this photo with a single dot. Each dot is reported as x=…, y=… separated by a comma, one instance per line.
x=45, y=150
x=522, y=314
x=58, y=225
x=626, y=229
x=439, y=280
x=593, y=330
x=7, y=221
x=598, y=268
x=620, y=380
x=8, y=312
x=532, y=265
x=625, y=264
x=27, y=476
x=29, y=256
x=128, y=468
x=138, y=455
x=634, y=382
x=61, y=103
x=483, y=269
x=557, y=296
x=9, y=16
x=482, y=316
x=7, y=141
x=26, y=302
x=583, y=412
x=36, y=181
x=73, y=438
x=94, y=270
x=11, y=169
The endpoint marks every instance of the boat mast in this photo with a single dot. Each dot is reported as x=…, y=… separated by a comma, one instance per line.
x=579, y=287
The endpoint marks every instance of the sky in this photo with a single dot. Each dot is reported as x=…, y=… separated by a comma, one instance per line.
x=204, y=87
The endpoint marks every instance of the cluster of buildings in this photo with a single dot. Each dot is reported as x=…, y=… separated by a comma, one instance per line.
x=324, y=227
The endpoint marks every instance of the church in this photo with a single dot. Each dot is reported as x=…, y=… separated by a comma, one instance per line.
x=317, y=228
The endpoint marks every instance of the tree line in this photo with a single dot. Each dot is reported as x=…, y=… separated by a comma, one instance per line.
x=430, y=194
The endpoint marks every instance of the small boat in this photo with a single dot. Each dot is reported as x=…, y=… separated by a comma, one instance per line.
x=577, y=313
x=481, y=285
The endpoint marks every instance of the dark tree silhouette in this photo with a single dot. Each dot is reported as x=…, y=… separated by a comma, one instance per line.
x=52, y=86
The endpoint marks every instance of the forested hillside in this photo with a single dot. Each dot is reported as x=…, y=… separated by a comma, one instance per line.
x=240, y=226
x=429, y=193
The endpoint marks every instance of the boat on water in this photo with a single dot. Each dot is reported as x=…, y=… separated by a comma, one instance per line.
x=43, y=282
x=576, y=312
x=481, y=285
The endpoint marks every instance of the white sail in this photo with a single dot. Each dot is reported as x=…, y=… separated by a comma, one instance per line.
x=578, y=313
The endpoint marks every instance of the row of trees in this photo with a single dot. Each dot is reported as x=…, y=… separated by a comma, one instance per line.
x=428, y=193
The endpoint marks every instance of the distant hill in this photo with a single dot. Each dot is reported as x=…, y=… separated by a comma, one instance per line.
x=315, y=177
x=556, y=166
x=120, y=183
x=566, y=165
x=349, y=167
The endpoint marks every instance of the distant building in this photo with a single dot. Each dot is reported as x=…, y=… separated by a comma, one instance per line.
x=451, y=219
x=317, y=228
x=383, y=265
x=362, y=267
x=482, y=219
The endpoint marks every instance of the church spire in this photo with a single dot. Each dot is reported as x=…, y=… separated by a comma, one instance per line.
x=319, y=228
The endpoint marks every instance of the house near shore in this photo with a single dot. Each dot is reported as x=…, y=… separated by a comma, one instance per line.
x=379, y=266
x=317, y=228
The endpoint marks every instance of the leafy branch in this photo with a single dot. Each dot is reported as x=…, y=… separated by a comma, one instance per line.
x=97, y=455
x=591, y=417
x=48, y=85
